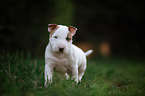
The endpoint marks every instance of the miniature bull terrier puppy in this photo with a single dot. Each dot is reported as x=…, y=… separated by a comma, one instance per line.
x=62, y=56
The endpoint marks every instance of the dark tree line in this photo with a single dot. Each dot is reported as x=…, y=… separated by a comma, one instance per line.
x=23, y=23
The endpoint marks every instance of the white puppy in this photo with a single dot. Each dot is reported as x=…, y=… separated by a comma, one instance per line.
x=62, y=55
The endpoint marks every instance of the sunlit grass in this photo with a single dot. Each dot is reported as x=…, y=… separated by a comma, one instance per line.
x=24, y=76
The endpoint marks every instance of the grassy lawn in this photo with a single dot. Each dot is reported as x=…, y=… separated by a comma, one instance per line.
x=24, y=76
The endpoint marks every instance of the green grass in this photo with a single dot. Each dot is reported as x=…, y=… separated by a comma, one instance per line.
x=24, y=76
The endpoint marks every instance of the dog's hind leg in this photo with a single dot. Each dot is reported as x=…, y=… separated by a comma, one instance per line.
x=81, y=72
x=74, y=72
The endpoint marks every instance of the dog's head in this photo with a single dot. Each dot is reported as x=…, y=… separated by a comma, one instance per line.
x=61, y=37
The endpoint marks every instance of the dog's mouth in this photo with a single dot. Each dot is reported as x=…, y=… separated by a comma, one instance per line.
x=60, y=52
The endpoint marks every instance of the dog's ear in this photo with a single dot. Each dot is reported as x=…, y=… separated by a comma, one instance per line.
x=51, y=27
x=72, y=30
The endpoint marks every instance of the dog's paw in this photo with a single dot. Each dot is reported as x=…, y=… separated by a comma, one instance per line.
x=47, y=84
x=48, y=81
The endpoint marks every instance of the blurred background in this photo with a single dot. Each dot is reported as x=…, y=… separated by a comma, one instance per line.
x=110, y=28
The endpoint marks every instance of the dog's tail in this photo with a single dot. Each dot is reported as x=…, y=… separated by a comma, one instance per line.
x=88, y=52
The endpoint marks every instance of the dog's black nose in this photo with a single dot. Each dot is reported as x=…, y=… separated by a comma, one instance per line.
x=61, y=49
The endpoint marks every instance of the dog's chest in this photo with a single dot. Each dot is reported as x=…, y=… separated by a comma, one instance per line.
x=62, y=65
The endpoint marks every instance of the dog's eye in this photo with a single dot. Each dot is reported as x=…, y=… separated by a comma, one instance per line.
x=55, y=36
x=68, y=39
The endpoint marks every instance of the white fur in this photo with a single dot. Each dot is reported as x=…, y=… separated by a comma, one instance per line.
x=71, y=60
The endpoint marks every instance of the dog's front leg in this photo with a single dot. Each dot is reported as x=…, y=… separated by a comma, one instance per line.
x=74, y=72
x=48, y=74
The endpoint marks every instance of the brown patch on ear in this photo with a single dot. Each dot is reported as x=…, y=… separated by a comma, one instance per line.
x=51, y=33
x=72, y=30
x=52, y=28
